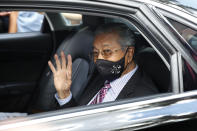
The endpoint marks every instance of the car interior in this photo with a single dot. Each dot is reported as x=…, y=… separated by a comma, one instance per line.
x=26, y=82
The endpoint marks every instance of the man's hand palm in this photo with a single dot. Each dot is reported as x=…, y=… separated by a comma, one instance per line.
x=62, y=75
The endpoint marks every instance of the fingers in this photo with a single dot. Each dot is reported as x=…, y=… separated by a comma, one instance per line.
x=51, y=67
x=57, y=62
x=63, y=60
x=69, y=67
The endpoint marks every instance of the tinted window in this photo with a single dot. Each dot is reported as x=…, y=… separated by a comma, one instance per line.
x=189, y=77
x=20, y=21
x=189, y=34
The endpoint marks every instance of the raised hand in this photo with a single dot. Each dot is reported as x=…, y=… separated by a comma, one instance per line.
x=62, y=75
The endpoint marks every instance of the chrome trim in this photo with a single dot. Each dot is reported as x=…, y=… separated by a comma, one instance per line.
x=179, y=56
x=174, y=73
x=178, y=18
x=136, y=115
x=158, y=52
x=179, y=46
x=173, y=9
x=180, y=66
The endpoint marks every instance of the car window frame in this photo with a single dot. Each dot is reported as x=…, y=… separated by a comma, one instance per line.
x=181, y=58
x=182, y=41
x=186, y=50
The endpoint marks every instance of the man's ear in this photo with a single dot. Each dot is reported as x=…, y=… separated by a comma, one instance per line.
x=130, y=51
x=129, y=55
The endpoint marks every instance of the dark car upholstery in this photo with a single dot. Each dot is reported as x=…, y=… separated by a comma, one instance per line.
x=79, y=46
x=152, y=64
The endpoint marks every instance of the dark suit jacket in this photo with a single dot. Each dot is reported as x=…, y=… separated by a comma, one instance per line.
x=138, y=85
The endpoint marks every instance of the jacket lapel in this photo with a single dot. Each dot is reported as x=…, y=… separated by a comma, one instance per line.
x=91, y=90
x=128, y=90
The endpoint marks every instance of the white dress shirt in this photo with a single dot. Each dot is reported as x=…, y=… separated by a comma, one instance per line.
x=116, y=87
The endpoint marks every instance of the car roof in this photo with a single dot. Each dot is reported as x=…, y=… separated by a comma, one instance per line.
x=189, y=6
x=180, y=3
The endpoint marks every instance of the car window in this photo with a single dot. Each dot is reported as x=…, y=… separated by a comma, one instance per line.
x=150, y=74
x=21, y=21
x=189, y=34
x=189, y=76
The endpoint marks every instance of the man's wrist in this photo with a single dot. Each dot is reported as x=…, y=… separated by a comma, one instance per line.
x=63, y=94
x=63, y=101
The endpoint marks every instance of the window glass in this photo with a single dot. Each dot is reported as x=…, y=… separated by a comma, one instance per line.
x=20, y=21
x=189, y=77
x=189, y=34
x=72, y=19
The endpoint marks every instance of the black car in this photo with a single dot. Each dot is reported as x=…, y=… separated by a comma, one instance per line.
x=166, y=49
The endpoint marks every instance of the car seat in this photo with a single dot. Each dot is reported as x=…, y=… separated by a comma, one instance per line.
x=154, y=67
x=79, y=46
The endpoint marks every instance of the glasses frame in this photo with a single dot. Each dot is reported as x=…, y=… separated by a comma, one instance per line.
x=103, y=54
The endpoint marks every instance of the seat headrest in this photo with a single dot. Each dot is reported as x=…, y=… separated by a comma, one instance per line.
x=152, y=64
x=79, y=45
x=92, y=21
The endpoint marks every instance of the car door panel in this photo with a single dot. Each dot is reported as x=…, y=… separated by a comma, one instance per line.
x=23, y=57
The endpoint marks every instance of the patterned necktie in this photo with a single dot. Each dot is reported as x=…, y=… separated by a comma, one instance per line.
x=101, y=94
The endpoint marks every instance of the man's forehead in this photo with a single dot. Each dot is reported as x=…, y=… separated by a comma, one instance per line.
x=108, y=34
x=106, y=39
x=103, y=45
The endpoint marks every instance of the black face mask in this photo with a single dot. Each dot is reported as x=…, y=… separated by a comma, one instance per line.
x=110, y=70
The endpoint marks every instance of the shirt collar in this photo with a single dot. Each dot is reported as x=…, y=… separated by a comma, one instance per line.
x=125, y=78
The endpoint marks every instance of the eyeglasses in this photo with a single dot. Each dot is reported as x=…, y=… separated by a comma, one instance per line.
x=106, y=53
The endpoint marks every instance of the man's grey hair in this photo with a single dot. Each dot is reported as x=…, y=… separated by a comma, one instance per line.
x=127, y=37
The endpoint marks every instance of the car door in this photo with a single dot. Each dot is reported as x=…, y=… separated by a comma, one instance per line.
x=130, y=114
x=22, y=59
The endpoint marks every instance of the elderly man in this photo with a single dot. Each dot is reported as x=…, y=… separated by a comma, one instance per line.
x=119, y=76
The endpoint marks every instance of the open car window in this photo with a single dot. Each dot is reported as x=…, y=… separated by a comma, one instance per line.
x=189, y=76
x=21, y=21
x=76, y=40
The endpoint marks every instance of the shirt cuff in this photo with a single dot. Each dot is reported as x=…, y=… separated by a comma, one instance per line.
x=63, y=101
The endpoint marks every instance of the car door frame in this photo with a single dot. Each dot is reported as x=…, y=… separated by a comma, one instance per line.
x=81, y=118
x=183, y=47
x=21, y=56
